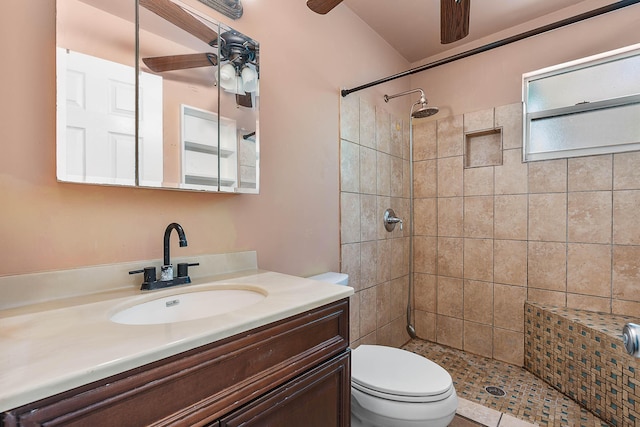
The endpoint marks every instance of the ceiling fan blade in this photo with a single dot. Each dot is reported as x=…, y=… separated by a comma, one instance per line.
x=180, y=62
x=322, y=6
x=182, y=19
x=454, y=20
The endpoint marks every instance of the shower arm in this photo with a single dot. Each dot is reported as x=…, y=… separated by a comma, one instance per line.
x=388, y=97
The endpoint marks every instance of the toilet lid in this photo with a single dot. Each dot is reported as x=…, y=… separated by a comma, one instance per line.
x=397, y=372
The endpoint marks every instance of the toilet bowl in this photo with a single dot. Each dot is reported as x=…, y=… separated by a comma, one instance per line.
x=391, y=387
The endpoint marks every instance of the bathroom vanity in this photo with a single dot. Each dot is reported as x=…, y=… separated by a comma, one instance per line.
x=283, y=361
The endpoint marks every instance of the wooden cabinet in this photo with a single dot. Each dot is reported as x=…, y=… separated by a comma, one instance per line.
x=292, y=372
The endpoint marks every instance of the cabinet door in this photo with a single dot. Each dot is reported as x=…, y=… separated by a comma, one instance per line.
x=321, y=397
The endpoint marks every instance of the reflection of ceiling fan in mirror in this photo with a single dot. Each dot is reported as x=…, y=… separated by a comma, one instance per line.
x=454, y=16
x=238, y=54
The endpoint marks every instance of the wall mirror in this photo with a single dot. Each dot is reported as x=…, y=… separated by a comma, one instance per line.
x=171, y=102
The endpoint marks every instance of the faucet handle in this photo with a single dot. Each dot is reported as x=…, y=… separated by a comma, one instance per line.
x=149, y=274
x=183, y=268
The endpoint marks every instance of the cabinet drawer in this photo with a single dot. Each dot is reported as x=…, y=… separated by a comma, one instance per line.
x=200, y=385
x=318, y=398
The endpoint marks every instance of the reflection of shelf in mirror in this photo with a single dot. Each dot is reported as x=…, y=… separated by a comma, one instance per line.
x=209, y=149
x=208, y=180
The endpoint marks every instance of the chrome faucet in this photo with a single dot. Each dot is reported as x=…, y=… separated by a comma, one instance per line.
x=166, y=271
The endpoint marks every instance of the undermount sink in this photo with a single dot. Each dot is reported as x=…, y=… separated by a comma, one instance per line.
x=187, y=306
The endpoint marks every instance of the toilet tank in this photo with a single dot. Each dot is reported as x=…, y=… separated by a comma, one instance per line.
x=332, y=277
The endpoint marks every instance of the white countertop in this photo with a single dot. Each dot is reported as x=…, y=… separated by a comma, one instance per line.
x=57, y=347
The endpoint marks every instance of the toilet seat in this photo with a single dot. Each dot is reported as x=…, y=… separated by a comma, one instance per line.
x=399, y=375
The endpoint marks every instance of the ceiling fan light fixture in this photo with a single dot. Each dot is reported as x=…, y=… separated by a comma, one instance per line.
x=228, y=78
x=249, y=78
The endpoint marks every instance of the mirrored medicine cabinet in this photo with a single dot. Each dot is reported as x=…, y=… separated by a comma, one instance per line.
x=153, y=93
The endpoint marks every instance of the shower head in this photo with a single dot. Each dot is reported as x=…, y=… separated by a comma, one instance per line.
x=423, y=111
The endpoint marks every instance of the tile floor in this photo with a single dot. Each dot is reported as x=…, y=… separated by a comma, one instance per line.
x=528, y=399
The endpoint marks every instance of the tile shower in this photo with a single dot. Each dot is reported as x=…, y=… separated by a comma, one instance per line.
x=488, y=237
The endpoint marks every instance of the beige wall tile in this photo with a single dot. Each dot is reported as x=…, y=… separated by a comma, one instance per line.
x=368, y=217
x=509, y=118
x=478, y=216
x=478, y=181
x=396, y=188
x=399, y=294
x=626, y=172
x=425, y=216
x=368, y=305
x=450, y=174
x=508, y=307
x=449, y=331
x=628, y=308
x=383, y=130
x=368, y=170
x=383, y=173
x=367, y=124
x=349, y=217
x=587, y=302
x=450, y=292
x=626, y=272
x=478, y=259
x=548, y=217
x=511, y=177
x=399, y=335
x=549, y=176
x=383, y=335
x=541, y=296
x=591, y=173
x=626, y=228
x=450, y=256
x=547, y=267
x=425, y=143
x=349, y=166
x=354, y=317
x=350, y=118
x=510, y=262
x=589, y=269
x=350, y=264
x=479, y=120
x=450, y=216
x=424, y=179
x=450, y=136
x=383, y=304
x=383, y=264
x=478, y=339
x=397, y=257
x=508, y=346
x=511, y=213
x=424, y=254
x=425, y=292
x=589, y=217
x=425, y=324
x=478, y=302
x=396, y=137
x=368, y=263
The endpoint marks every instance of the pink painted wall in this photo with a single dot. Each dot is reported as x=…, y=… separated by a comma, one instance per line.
x=293, y=223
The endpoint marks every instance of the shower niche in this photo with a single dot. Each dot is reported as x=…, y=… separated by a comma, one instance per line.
x=483, y=148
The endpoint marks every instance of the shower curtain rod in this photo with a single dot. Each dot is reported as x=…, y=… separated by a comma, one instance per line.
x=562, y=23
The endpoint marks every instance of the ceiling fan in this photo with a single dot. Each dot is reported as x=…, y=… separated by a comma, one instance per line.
x=454, y=16
x=234, y=48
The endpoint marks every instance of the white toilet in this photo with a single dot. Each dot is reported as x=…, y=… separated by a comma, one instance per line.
x=391, y=387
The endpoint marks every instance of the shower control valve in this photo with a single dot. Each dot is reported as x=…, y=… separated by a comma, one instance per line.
x=390, y=220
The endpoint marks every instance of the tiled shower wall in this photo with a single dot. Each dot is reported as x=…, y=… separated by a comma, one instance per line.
x=374, y=176
x=558, y=232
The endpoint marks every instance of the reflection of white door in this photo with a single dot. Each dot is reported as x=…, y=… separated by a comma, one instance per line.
x=96, y=120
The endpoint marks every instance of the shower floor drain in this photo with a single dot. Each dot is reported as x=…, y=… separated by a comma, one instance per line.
x=495, y=391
